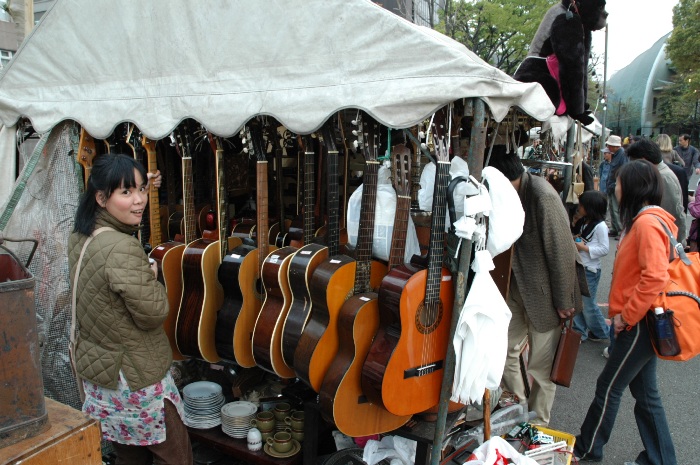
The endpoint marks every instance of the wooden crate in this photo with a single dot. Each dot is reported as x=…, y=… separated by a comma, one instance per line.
x=72, y=439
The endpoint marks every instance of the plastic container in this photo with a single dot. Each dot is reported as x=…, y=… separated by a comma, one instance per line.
x=558, y=453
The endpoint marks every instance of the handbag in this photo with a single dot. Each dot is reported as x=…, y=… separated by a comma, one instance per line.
x=680, y=304
x=565, y=357
x=577, y=185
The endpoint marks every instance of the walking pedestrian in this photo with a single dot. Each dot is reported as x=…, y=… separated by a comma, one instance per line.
x=689, y=154
x=617, y=159
x=591, y=234
x=640, y=273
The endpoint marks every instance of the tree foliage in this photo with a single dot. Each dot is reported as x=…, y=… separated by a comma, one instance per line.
x=498, y=31
x=678, y=101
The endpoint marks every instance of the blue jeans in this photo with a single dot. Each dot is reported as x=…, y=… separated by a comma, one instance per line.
x=591, y=319
x=633, y=364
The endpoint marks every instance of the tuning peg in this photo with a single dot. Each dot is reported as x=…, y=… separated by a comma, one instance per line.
x=354, y=122
x=244, y=141
x=355, y=132
x=424, y=145
x=421, y=134
x=355, y=144
x=245, y=150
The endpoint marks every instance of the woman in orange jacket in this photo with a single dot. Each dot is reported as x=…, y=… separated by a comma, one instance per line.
x=640, y=273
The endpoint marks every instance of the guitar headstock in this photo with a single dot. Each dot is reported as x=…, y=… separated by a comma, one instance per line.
x=371, y=139
x=256, y=142
x=148, y=144
x=440, y=129
x=401, y=169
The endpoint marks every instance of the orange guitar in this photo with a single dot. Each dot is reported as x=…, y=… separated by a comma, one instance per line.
x=86, y=154
x=248, y=261
x=201, y=292
x=338, y=278
x=341, y=397
x=408, y=353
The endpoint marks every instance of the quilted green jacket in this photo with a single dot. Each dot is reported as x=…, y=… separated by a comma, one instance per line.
x=120, y=309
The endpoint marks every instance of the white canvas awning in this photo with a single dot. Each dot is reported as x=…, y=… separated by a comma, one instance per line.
x=223, y=61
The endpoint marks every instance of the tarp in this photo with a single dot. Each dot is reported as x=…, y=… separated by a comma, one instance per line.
x=223, y=61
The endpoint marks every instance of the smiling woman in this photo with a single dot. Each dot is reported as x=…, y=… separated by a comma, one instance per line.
x=121, y=353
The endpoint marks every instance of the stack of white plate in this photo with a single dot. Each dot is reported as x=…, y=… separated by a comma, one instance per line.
x=236, y=416
x=203, y=401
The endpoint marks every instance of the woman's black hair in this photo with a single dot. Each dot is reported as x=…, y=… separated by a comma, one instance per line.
x=109, y=173
x=641, y=185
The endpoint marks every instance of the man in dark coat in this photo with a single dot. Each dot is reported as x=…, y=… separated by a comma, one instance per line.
x=614, y=144
x=543, y=286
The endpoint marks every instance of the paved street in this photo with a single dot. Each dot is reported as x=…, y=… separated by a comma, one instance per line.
x=679, y=384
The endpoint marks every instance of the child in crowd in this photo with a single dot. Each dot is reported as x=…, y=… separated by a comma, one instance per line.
x=591, y=240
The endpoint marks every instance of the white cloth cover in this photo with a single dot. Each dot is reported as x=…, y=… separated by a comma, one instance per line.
x=507, y=216
x=481, y=337
x=385, y=211
x=222, y=62
x=8, y=161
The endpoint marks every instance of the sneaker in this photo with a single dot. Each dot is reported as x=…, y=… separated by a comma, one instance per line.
x=606, y=353
x=591, y=337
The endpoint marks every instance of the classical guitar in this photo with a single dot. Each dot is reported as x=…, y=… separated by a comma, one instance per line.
x=249, y=260
x=202, y=294
x=409, y=354
x=338, y=278
x=305, y=261
x=233, y=251
x=168, y=256
x=86, y=153
x=341, y=397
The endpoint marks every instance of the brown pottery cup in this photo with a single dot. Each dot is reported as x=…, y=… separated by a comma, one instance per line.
x=264, y=421
x=298, y=435
x=296, y=420
x=265, y=435
x=281, y=442
x=282, y=410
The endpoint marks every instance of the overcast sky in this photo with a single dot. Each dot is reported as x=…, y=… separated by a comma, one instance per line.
x=633, y=27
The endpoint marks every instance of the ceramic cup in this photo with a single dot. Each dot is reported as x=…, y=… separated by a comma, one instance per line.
x=264, y=421
x=266, y=434
x=296, y=420
x=282, y=410
x=281, y=442
x=297, y=435
x=254, y=439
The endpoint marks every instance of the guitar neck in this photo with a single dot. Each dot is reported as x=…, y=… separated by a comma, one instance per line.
x=398, y=238
x=333, y=220
x=221, y=201
x=365, y=233
x=308, y=192
x=437, y=232
x=188, y=199
x=263, y=231
x=153, y=200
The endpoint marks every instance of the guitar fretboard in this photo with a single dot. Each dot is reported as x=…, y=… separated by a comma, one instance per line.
x=437, y=233
x=365, y=233
x=263, y=232
x=308, y=192
x=188, y=199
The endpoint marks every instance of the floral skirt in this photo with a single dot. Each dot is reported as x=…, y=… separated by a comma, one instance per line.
x=132, y=417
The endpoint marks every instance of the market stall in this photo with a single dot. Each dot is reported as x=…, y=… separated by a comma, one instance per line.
x=219, y=64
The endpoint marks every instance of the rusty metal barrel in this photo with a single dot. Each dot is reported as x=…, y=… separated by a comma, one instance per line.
x=22, y=407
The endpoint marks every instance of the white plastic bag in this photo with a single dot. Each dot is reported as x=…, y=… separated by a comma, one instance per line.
x=493, y=451
x=383, y=221
x=458, y=167
x=507, y=217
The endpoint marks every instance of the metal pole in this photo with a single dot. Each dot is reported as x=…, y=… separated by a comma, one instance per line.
x=605, y=100
x=475, y=162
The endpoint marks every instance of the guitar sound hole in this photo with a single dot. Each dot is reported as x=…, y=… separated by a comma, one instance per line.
x=428, y=317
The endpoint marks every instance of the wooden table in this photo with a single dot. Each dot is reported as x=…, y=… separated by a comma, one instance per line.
x=238, y=448
x=72, y=439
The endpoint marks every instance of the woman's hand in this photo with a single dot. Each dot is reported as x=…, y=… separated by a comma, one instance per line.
x=155, y=179
x=618, y=324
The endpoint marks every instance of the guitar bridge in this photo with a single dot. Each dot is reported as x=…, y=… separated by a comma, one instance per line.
x=423, y=370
